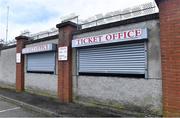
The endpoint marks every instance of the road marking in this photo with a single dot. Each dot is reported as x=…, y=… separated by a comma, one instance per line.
x=10, y=109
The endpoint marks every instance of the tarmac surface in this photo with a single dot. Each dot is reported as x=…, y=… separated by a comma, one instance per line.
x=11, y=110
x=51, y=106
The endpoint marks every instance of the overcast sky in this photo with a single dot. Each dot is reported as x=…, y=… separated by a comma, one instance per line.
x=40, y=15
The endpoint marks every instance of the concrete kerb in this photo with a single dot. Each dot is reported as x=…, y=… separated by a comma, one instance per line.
x=29, y=107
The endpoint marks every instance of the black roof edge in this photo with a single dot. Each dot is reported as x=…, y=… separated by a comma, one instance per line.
x=8, y=47
x=42, y=39
x=32, y=41
x=118, y=23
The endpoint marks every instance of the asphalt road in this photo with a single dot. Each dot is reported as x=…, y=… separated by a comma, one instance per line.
x=12, y=110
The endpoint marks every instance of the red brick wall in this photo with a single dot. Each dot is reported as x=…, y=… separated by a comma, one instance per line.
x=20, y=44
x=170, y=50
x=65, y=67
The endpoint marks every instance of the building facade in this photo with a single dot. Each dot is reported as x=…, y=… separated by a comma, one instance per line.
x=116, y=64
x=121, y=65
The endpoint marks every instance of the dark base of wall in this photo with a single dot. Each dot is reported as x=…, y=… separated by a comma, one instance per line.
x=7, y=85
x=30, y=90
x=41, y=92
x=114, y=105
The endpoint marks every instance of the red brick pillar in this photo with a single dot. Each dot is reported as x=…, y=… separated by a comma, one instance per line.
x=170, y=50
x=20, y=44
x=65, y=65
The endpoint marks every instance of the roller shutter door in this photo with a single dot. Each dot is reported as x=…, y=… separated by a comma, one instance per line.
x=118, y=59
x=41, y=62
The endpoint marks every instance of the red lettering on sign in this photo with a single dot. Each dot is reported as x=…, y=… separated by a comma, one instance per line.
x=90, y=40
x=120, y=35
x=111, y=37
x=125, y=35
x=108, y=37
x=100, y=38
x=94, y=39
x=115, y=36
x=78, y=41
x=130, y=34
x=138, y=32
x=83, y=41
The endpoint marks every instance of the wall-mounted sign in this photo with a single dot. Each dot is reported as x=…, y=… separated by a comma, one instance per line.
x=18, y=57
x=39, y=48
x=62, y=53
x=134, y=34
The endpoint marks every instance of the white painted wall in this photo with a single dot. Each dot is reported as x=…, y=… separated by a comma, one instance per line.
x=8, y=67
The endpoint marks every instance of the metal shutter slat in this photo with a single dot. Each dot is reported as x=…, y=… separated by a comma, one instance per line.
x=41, y=62
x=121, y=59
x=129, y=46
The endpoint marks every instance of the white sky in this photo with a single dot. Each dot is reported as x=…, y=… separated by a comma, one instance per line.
x=40, y=15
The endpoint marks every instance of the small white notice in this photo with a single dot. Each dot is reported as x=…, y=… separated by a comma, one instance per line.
x=18, y=57
x=62, y=53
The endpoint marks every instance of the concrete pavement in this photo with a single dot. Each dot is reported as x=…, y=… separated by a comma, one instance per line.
x=11, y=110
x=52, y=107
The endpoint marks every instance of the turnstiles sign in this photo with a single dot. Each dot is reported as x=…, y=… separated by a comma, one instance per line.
x=62, y=53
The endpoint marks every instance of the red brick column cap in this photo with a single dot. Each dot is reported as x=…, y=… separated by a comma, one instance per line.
x=64, y=24
x=21, y=38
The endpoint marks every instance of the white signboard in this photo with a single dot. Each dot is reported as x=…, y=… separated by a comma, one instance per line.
x=18, y=57
x=62, y=53
x=129, y=35
x=39, y=48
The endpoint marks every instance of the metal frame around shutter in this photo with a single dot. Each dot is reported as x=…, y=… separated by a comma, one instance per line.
x=117, y=59
x=41, y=62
